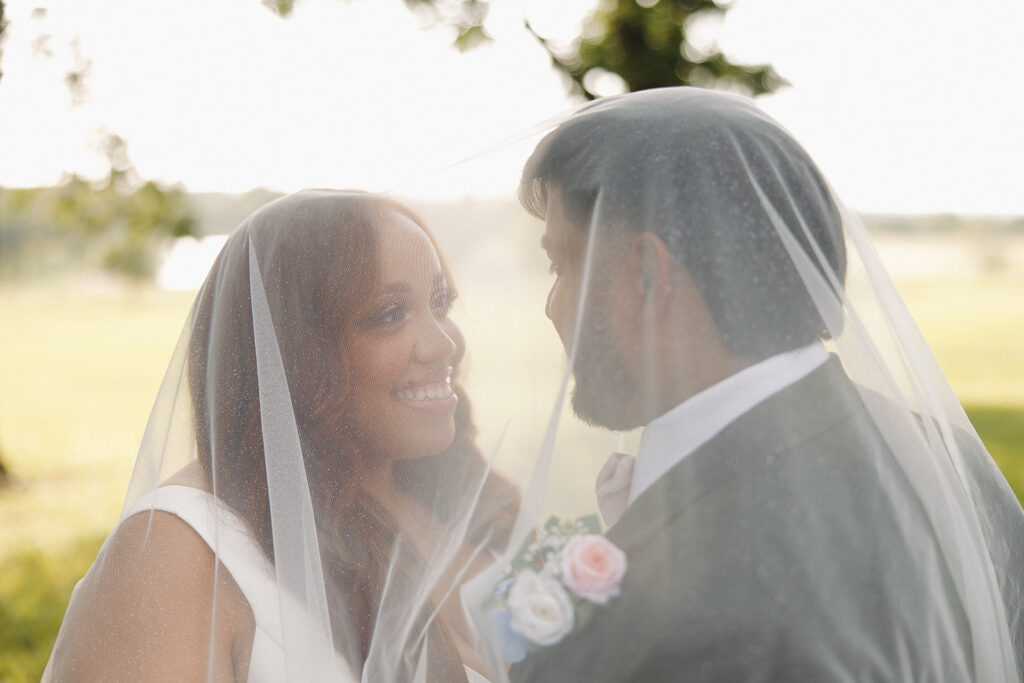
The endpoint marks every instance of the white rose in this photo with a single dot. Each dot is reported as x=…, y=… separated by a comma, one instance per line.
x=541, y=609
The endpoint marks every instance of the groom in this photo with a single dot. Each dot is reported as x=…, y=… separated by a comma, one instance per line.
x=759, y=521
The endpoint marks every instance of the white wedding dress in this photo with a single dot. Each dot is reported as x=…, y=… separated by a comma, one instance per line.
x=224, y=531
x=226, y=534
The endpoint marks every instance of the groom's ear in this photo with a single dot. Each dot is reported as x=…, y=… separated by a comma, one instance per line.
x=654, y=269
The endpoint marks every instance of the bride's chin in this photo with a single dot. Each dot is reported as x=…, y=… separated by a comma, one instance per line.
x=426, y=446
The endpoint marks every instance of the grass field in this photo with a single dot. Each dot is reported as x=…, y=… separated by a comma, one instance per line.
x=975, y=327
x=78, y=373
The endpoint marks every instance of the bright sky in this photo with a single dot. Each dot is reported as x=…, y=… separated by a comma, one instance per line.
x=908, y=105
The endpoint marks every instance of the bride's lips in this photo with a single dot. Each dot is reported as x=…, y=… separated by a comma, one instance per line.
x=433, y=394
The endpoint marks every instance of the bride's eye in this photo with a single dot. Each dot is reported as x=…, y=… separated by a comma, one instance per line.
x=442, y=301
x=391, y=314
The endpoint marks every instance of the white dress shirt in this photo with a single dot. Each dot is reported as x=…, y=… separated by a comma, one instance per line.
x=673, y=436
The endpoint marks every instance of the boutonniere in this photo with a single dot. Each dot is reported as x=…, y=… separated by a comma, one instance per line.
x=563, y=569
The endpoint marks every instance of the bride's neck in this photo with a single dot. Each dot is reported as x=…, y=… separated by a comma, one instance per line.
x=379, y=481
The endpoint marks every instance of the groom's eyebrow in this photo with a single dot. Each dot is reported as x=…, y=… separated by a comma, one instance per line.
x=547, y=243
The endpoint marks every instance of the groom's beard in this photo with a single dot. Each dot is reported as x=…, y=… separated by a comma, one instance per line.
x=604, y=389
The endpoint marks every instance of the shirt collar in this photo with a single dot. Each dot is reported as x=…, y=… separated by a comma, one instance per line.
x=672, y=436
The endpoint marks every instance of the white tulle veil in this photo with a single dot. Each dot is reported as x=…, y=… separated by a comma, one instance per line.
x=254, y=417
x=851, y=524
x=254, y=440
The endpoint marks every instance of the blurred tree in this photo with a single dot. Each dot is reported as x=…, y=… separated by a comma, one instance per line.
x=3, y=25
x=643, y=42
x=127, y=214
x=646, y=45
x=117, y=223
x=120, y=219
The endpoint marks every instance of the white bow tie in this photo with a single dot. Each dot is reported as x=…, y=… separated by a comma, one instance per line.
x=613, y=482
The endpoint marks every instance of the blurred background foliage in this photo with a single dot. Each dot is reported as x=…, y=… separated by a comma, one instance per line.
x=120, y=221
x=117, y=223
x=3, y=25
x=643, y=43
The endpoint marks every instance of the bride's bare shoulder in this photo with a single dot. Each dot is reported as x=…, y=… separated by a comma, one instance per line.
x=158, y=553
x=145, y=610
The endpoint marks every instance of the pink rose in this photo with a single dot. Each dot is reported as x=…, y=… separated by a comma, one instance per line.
x=593, y=567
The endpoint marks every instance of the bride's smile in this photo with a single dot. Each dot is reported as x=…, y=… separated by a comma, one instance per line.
x=429, y=392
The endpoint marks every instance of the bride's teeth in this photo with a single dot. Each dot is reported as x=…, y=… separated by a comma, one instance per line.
x=431, y=393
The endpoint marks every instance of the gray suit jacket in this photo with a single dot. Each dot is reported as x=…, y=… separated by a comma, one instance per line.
x=719, y=548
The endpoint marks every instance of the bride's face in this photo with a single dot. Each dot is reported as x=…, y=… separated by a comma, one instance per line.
x=404, y=348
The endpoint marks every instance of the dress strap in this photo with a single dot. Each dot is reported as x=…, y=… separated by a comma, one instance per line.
x=229, y=538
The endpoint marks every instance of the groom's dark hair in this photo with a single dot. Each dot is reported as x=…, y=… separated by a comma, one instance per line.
x=717, y=181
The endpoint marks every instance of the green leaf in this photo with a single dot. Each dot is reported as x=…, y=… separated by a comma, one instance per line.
x=470, y=37
x=280, y=7
x=590, y=524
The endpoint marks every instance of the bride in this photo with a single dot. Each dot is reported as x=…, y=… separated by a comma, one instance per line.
x=308, y=479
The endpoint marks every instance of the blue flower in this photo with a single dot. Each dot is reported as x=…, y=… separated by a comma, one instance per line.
x=513, y=645
x=501, y=590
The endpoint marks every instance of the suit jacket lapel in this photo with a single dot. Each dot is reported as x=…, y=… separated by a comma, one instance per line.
x=751, y=440
x=820, y=400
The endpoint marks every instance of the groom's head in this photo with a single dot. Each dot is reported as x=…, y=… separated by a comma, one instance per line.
x=691, y=236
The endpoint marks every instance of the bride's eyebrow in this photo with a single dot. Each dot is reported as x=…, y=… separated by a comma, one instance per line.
x=395, y=288
x=403, y=287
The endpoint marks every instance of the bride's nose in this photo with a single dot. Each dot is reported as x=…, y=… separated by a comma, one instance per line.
x=434, y=342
